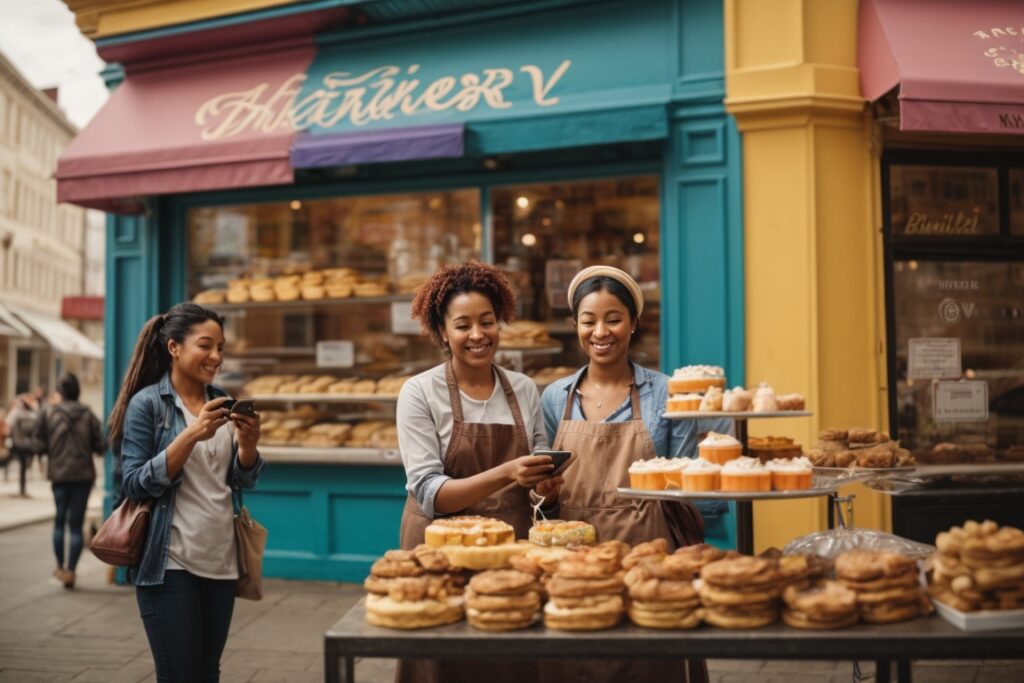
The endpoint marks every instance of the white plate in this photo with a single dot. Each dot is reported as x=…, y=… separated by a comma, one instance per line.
x=985, y=620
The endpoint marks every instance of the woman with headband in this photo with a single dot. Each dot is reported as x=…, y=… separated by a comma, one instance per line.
x=609, y=414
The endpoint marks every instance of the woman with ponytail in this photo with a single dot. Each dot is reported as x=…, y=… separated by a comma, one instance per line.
x=178, y=445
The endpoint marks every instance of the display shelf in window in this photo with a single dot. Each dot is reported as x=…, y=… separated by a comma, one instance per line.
x=309, y=303
x=325, y=398
x=341, y=456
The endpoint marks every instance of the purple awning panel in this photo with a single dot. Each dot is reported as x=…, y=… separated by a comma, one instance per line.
x=443, y=141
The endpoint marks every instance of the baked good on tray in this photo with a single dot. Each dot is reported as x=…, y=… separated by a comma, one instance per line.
x=503, y=600
x=886, y=585
x=468, y=530
x=979, y=566
x=560, y=532
x=696, y=379
x=719, y=448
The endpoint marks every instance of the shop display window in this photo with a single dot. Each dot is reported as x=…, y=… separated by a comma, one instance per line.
x=543, y=234
x=943, y=201
x=1017, y=202
x=317, y=295
x=959, y=359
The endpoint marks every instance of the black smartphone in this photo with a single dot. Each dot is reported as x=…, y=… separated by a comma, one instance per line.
x=243, y=406
x=228, y=403
x=560, y=459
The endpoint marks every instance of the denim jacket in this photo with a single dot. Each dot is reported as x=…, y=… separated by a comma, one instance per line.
x=151, y=423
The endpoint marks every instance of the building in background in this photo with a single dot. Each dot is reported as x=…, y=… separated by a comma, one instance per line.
x=42, y=249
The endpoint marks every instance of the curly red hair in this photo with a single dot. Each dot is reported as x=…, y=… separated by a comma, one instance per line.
x=434, y=295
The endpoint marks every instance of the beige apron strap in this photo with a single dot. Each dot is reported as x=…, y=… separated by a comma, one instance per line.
x=517, y=413
x=453, y=392
x=634, y=401
x=567, y=413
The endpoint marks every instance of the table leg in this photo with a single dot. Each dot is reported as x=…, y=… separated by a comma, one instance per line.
x=745, y=527
x=883, y=671
x=904, y=671
x=333, y=672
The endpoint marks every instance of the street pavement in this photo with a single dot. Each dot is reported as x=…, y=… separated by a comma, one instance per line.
x=93, y=633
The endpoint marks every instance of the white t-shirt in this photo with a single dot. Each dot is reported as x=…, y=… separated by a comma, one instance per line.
x=425, y=423
x=203, y=528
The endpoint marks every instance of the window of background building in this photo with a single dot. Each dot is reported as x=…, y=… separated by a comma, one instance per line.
x=1017, y=201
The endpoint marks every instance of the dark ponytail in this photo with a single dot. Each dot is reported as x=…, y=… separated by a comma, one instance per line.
x=151, y=359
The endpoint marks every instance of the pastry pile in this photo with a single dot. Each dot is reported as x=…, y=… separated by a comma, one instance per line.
x=886, y=585
x=733, y=473
x=858, y=447
x=545, y=376
x=741, y=593
x=312, y=285
x=324, y=384
x=585, y=593
x=702, y=388
x=413, y=589
x=503, y=600
x=824, y=605
x=979, y=566
x=475, y=543
x=559, y=532
x=661, y=592
x=525, y=334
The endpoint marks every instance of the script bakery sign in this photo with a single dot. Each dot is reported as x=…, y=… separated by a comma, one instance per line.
x=385, y=93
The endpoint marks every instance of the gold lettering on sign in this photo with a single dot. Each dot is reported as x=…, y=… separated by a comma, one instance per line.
x=376, y=95
x=920, y=223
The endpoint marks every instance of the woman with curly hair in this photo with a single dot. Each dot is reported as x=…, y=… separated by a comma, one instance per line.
x=466, y=429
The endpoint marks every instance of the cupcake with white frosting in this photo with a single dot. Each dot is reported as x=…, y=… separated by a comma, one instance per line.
x=702, y=475
x=678, y=403
x=719, y=448
x=746, y=474
x=790, y=474
x=696, y=378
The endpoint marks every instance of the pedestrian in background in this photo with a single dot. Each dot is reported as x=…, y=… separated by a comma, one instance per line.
x=184, y=450
x=21, y=427
x=70, y=435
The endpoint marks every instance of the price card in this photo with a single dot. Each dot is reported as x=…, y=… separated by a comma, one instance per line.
x=335, y=354
x=960, y=401
x=510, y=360
x=401, y=318
x=933, y=358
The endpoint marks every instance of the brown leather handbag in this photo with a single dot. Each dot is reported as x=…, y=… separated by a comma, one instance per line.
x=122, y=536
x=251, y=540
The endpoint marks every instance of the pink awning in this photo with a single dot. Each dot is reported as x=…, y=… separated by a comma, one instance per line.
x=959, y=63
x=167, y=131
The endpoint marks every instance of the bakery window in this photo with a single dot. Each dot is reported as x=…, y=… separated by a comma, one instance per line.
x=543, y=234
x=943, y=201
x=959, y=341
x=317, y=298
x=1016, y=201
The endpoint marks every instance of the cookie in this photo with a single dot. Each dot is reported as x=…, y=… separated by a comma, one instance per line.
x=743, y=572
x=526, y=601
x=658, y=548
x=666, y=606
x=665, y=620
x=798, y=619
x=824, y=600
x=503, y=582
x=727, y=620
x=867, y=565
x=888, y=614
x=832, y=435
x=710, y=595
x=571, y=587
x=659, y=589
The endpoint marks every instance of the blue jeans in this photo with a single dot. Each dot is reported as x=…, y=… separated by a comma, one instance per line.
x=71, y=498
x=187, y=620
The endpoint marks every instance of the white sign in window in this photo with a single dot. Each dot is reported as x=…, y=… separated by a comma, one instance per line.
x=401, y=318
x=960, y=401
x=335, y=354
x=933, y=358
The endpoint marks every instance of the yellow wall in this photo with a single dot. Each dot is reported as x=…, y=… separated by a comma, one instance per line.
x=106, y=18
x=814, y=319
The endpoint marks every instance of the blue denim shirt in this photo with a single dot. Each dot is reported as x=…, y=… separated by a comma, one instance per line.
x=672, y=438
x=151, y=423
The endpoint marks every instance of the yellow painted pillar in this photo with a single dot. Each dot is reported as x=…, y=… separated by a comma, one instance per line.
x=814, y=299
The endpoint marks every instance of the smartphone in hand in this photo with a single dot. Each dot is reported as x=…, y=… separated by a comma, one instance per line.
x=243, y=406
x=560, y=459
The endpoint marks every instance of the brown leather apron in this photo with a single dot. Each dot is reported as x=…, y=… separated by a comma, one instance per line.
x=474, y=448
x=604, y=452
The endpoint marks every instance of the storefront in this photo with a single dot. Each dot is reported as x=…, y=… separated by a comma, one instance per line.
x=541, y=137
x=896, y=221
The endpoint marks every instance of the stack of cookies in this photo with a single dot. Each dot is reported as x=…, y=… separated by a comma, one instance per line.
x=585, y=593
x=858, y=447
x=886, y=584
x=979, y=567
x=824, y=605
x=661, y=591
x=742, y=592
x=503, y=600
x=413, y=589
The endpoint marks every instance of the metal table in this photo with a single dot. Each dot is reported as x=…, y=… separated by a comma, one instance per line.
x=925, y=638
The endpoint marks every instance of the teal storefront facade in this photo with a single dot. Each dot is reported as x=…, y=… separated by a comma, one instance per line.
x=529, y=92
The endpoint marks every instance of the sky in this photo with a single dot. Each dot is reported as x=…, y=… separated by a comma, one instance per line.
x=41, y=39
